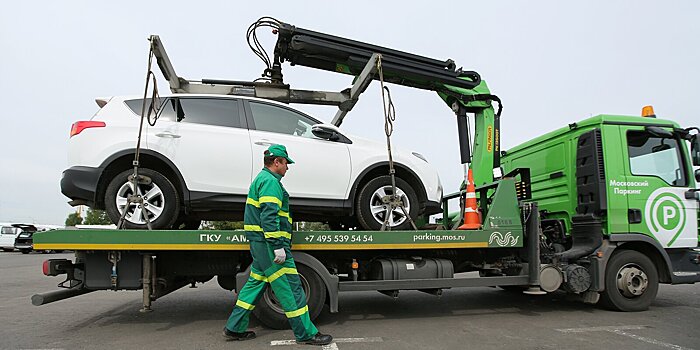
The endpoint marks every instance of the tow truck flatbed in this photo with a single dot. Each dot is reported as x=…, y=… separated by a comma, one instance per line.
x=503, y=236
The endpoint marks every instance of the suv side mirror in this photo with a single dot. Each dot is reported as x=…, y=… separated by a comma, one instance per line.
x=697, y=175
x=695, y=150
x=325, y=132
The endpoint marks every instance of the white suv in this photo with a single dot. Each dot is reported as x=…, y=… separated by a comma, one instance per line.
x=203, y=151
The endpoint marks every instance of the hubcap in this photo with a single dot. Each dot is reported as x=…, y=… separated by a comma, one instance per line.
x=380, y=208
x=270, y=298
x=632, y=281
x=152, y=206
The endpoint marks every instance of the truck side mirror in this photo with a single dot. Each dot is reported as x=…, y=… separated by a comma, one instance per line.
x=325, y=132
x=697, y=175
x=658, y=132
x=695, y=150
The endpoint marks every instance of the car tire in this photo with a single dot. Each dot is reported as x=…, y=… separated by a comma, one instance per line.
x=271, y=314
x=631, y=282
x=25, y=251
x=7, y=250
x=164, y=199
x=368, y=202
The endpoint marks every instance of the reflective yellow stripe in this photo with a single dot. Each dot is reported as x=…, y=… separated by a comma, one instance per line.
x=278, y=234
x=244, y=305
x=298, y=312
x=270, y=199
x=252, y=228
x=285, y=214
x=252, y=202
x=258, y=277
x=282, y=271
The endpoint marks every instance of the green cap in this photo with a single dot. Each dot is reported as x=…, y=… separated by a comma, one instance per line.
x=279, y=151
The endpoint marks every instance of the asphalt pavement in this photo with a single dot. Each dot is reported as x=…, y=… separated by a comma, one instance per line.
x=467, y=318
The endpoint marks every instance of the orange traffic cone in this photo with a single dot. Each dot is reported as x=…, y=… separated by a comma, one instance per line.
x=471, y=215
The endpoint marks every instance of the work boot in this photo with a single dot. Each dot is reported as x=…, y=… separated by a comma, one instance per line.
x=318, y=339
x=238, y=336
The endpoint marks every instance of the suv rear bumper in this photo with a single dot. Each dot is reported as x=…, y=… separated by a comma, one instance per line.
x=79, y=183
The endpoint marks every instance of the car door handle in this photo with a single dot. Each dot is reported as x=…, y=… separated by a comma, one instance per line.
x=264, y=142
x=168, y=135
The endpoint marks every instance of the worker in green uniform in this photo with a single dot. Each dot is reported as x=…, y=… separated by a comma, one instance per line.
x=268, y=227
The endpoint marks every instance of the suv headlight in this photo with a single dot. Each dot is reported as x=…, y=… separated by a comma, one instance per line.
x=420, y=156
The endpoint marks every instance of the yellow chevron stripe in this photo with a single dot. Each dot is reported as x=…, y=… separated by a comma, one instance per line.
x=282, y=271
x=270, y=199
x=278, y=234
x=255, y=228
x=252, y=202
x=258, y=277
x=244, y=305
x=285, y=214
x=297, y=312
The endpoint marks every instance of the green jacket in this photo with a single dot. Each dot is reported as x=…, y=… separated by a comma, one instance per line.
x=266, y=215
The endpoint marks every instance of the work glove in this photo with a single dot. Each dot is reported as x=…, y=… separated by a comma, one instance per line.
x=280, y=256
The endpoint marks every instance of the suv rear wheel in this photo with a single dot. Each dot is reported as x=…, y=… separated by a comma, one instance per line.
x=371, y=211
x=161, y=200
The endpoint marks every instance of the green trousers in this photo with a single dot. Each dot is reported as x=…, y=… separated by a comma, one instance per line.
x=284, y=280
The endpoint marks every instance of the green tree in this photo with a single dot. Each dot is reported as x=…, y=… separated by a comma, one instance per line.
x=97, y=217
x=223, y=225
x=74, y=219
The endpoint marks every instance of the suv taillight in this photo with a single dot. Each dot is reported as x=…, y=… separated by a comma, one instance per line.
x=78, y=127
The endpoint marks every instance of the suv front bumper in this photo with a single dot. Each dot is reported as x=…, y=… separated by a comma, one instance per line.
x=79, y=183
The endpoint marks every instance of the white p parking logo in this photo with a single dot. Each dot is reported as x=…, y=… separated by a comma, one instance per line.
x=665, y=216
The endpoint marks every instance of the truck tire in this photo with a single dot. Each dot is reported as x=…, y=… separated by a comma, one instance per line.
x=270, y=313
x=369, y=206
x=631, y=282
x=164, y=202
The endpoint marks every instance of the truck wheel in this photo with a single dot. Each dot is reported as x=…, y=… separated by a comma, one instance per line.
x=631, y=282
x=269, y=311
x=371, y=211
x=161, y=201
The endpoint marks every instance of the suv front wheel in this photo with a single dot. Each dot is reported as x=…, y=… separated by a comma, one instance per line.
x=161, y=202
x=372, y=210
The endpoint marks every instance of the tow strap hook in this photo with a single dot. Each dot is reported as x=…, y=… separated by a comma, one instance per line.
x=114, y=258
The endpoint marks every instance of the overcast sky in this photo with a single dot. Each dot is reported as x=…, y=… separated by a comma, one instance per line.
x=551, y=62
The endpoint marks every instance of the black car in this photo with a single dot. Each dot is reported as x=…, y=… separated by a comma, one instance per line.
x=24, y=241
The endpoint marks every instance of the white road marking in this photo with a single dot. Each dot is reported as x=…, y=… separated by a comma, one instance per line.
x=332, y=346
x=620, y=330
x=649, y=340
x=599, y=329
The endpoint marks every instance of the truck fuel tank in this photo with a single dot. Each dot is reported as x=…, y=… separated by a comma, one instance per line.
x=403, y=269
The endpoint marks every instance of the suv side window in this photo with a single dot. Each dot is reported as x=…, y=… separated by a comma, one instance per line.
x=210, y=111
x=167, y=111
x=281, y=120
x=656, y=156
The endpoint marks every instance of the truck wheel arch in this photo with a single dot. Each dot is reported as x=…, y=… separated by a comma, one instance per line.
x=649, y=247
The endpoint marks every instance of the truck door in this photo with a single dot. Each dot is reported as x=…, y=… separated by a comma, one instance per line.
x=657, y=175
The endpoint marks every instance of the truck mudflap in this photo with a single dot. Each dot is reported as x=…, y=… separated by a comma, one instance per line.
x=682, y=265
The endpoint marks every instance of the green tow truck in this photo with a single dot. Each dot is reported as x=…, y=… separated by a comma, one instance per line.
x=591, y=209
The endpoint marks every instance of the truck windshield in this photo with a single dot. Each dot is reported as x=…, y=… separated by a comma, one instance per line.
x=656, y=156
